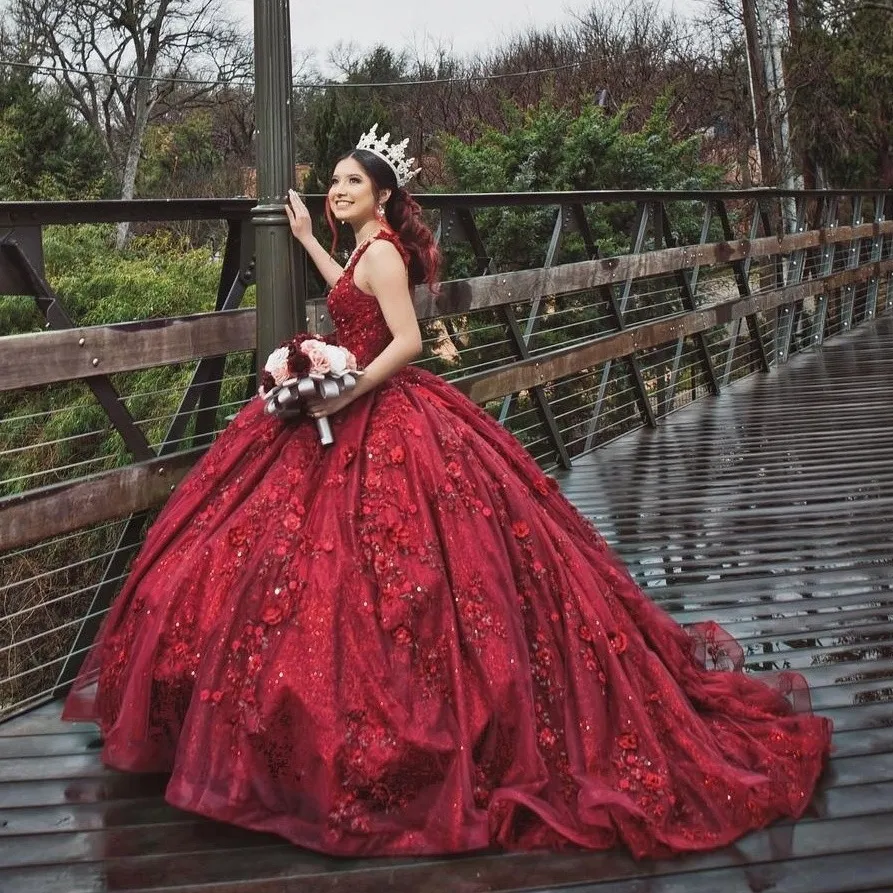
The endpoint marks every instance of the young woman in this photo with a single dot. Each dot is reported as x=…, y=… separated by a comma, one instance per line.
x=410, y=642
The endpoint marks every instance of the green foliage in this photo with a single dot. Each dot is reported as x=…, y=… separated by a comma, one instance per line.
x=337, y=124
x=549, y=148
x=842, y=74
x=179, y=150
x=552, y=149
x=44, y=153
x=155, y=276
x=338, y=117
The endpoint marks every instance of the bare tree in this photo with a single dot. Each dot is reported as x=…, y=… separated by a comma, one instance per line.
x=120, y=60
x=620, y=55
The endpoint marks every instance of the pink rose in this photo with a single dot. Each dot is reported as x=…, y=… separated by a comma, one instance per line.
x=315, y=351
x=351, y=361
x=309, y=344
x=319, y=362
x=277, y=365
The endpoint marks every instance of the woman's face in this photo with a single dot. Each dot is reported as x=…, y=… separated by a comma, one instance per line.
x=352, y=195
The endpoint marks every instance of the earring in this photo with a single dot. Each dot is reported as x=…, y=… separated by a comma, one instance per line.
x=379, y=211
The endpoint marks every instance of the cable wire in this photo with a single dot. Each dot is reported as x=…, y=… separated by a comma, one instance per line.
x=309, y=85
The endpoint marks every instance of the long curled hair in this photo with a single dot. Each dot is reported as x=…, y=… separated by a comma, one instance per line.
x=402, y=214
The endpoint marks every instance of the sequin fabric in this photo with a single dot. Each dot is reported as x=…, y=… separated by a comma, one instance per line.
x=410, y=642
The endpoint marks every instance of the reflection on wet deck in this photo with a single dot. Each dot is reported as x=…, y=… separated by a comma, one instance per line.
x=769, y=510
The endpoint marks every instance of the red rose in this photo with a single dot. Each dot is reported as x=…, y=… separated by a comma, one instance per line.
x=653, y=781
x=402, y=636
x=291, y=521
x=618, y=642
x=272, y=615
x=399, y=535
x=547, y=737
x=521, y=529
x=298, y=362
x=237, y=537
x=585, y=633
x=628, y=741
x=397, y=455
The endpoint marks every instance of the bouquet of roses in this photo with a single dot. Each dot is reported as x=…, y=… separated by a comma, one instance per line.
x=307, y=366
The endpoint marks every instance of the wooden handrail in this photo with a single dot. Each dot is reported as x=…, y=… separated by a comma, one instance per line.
x=47, y=357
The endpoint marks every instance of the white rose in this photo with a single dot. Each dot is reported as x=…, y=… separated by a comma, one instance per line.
x=337, y=359
x=277, y=365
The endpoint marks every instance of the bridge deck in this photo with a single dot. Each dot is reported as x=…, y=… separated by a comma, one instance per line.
x=769, y=510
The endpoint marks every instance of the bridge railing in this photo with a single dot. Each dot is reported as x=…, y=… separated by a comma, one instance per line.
x=572, y=317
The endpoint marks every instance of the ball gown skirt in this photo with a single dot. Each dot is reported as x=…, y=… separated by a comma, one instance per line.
x=409, y=642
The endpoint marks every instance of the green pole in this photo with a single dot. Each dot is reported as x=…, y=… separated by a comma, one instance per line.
x=281, y=286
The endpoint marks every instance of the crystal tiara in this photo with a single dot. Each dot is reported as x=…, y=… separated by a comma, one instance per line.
x=393, y=154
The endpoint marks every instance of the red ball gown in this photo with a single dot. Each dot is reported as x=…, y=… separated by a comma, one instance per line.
x=409, y=642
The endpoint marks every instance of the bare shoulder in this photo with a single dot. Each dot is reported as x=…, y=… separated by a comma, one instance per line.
x=383, y=253
x=380, y=267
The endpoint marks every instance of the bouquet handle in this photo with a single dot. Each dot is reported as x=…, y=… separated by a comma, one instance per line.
x=284, y=399
x=326, y=438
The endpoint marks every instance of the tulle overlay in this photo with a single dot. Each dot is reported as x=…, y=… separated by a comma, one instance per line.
x=410, y=642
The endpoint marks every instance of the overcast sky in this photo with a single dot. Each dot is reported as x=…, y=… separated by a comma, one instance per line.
x=318, y=25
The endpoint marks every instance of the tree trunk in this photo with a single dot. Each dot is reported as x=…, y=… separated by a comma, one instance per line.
x=759, y=96
x=885, y=167
x=131, y=163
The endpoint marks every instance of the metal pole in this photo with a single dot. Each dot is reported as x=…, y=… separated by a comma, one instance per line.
x=763, y=20
x=770, y=19
x=758, y=94
x=281, y=291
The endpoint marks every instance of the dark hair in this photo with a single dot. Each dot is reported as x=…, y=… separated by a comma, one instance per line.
x=402, y=214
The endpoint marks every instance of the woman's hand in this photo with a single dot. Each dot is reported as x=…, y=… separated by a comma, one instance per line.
x=298, y=217
x=302, y=229
x=318, y=408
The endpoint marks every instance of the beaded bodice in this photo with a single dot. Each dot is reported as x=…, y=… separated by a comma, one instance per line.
x=359, y=323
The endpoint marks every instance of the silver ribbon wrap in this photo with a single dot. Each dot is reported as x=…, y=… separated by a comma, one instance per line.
x=285, y=400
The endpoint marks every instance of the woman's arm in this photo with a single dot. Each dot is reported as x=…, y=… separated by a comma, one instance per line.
x=382, y=272
x=302, y=229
